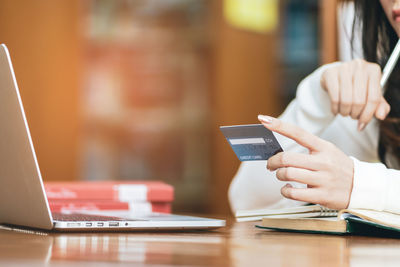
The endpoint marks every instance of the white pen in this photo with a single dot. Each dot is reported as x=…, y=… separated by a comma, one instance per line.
x=390, y=65
x=387, y=70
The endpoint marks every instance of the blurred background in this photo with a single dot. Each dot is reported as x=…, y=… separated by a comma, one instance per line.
x=136, y=89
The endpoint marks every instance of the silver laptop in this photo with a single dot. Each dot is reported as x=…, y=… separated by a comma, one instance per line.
x=22, y=197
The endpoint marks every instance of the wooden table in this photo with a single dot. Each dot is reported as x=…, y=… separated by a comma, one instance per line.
x=239, y=244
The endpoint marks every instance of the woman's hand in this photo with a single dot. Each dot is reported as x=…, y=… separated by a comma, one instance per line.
x=326, y=170
x=354, y=90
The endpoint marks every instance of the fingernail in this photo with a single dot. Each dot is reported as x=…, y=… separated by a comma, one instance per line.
x=265, y=119
x=361, y=126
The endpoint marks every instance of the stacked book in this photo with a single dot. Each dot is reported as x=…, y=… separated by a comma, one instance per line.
x=321, y=220
x=138, y=197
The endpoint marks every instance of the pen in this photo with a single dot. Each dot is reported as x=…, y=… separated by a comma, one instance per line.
x=390, y=65
x=387, y=70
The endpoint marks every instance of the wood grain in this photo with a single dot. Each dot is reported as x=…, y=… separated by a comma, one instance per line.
x=239, y=244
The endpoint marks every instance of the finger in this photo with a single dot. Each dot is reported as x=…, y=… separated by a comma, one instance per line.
x=330, y=83
x=374, y=94
x=310, y=195
x=383, y=109
x=346, y=92
x=291, y=159
x=303, y=176
x=302, y=137
x=360, y=84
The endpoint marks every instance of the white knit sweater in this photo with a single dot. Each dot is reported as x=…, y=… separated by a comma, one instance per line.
x=374, y=187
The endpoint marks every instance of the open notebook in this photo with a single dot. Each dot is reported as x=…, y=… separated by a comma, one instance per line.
x=353, y=221
x=293, y=212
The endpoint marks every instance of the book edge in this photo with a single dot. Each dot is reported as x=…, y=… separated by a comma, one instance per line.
x=302, y=231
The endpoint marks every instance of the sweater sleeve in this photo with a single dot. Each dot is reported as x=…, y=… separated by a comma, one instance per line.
x=311, y=109
x=253, y=185
x=375, y=187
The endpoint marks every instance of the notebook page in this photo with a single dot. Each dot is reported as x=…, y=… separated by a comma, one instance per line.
x=289, y=216
x=381, y=217
x=322, y=211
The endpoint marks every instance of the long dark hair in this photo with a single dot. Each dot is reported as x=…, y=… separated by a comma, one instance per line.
x=378, y=40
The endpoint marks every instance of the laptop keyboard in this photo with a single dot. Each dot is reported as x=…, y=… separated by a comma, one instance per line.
x=76, y=217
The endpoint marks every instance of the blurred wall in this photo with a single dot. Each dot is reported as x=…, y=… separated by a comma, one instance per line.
x=329, y=30
x=245, y=84
x=44, y=46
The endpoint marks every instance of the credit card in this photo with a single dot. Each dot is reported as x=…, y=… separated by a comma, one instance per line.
x=251, y=142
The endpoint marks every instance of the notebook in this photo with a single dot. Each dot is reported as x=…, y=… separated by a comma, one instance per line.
x=348, y=221
x=292, y=212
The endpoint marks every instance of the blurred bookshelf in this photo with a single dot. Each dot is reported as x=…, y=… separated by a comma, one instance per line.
x=146, y=94
x=301, y=43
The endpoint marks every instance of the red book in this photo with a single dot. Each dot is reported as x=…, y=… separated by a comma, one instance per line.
x=138, y=207
x=124, y=191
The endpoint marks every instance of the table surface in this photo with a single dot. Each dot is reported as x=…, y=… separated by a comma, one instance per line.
x=238, y=244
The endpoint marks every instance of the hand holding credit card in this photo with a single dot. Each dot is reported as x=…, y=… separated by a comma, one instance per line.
x=251, y=142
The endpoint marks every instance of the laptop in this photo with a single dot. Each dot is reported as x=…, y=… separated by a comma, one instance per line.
x=23, y=202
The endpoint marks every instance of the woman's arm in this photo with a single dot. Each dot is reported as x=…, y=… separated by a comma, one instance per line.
x=375, y=187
